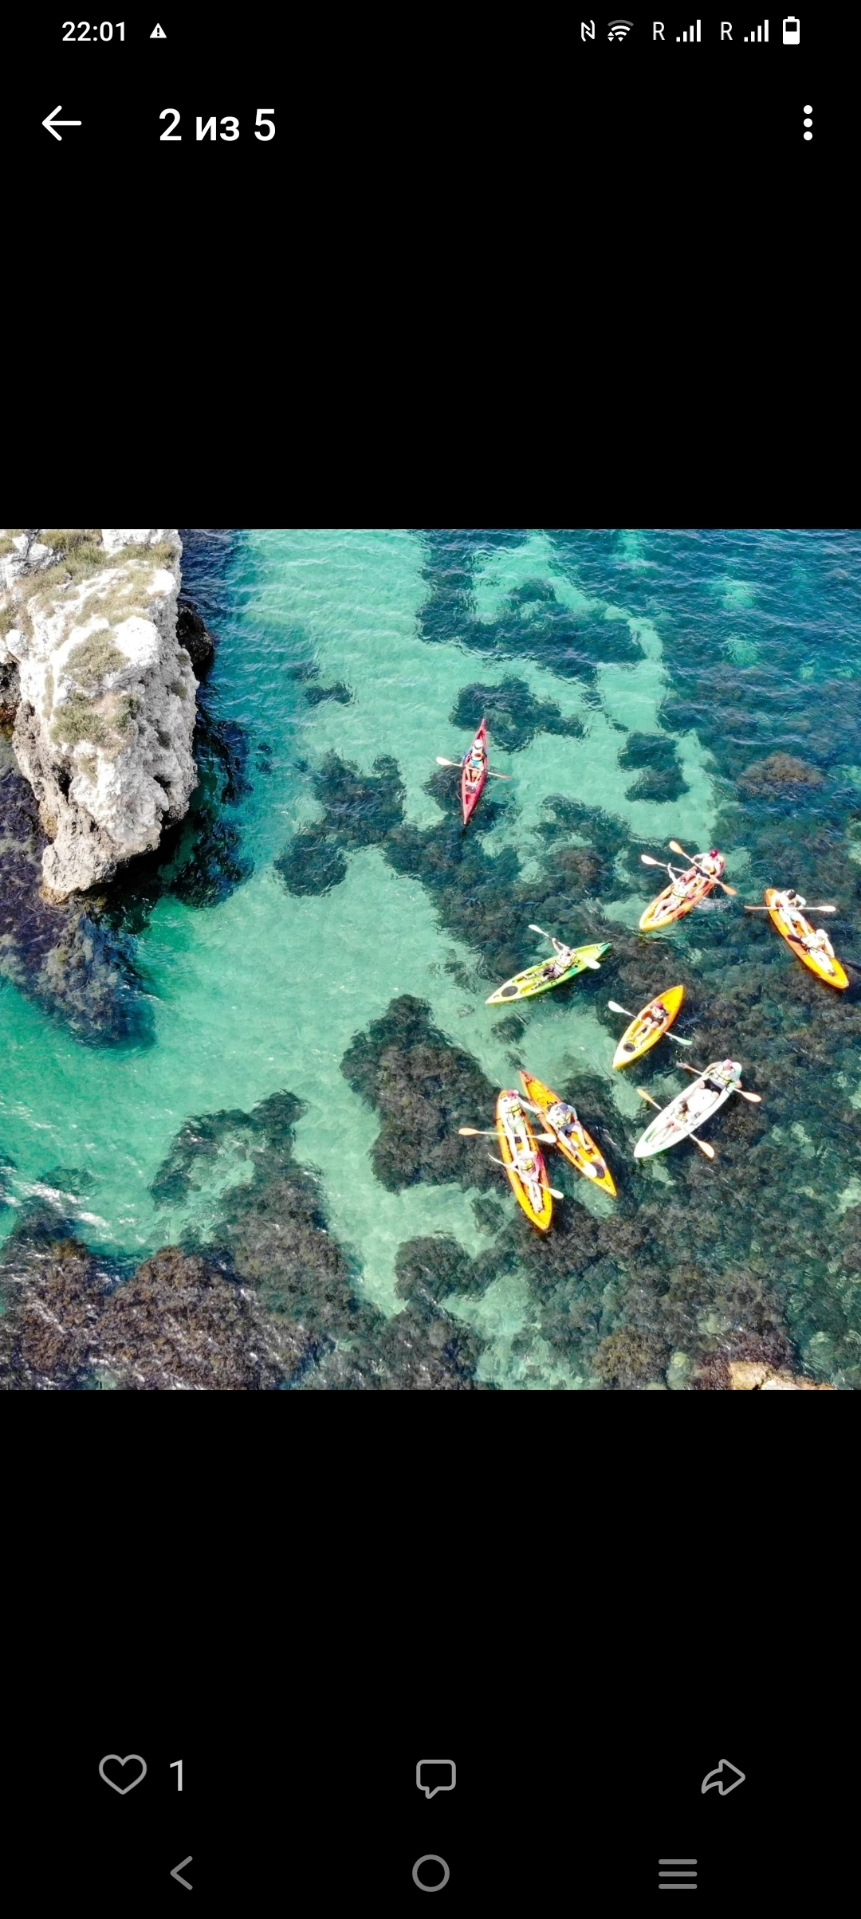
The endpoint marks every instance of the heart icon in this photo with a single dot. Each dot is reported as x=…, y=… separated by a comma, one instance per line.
x=133, y=1758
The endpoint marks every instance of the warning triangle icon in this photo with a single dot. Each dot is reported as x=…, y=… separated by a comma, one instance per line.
x=158, y=33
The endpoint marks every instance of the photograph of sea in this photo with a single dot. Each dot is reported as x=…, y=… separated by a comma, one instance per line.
x=430, y=959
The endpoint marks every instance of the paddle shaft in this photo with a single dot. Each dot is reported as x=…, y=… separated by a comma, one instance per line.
x=475, y=1132
x=562, y=948
x=755, y=1098
x=616, y=1008
x=461, y=763
x=694, y=857
x=701, y=1143
x=552, y=1190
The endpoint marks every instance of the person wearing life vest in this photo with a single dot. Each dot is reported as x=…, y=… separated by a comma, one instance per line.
x=711, y=864
x=819, y=945
x=654, y=1016
x=703, y=866
x=791, y=905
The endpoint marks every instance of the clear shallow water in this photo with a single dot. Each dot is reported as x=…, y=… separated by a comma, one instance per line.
x=723, y=648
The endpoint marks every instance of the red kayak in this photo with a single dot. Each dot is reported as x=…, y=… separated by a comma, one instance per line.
x=474, y=775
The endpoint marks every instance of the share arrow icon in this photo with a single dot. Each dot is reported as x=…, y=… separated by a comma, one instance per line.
x=725, y=1777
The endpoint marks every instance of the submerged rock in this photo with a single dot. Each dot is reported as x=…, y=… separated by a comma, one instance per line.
x=749, y=1375
x=56, y=952
x=776, y=771
x=106, y=695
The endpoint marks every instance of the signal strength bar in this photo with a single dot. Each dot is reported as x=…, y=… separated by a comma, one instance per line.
x=690, y=33
x=760, y=34
x=678, y=1878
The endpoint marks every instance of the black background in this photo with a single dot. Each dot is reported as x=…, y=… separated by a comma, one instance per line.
x=345, y=90
x=311, y=1805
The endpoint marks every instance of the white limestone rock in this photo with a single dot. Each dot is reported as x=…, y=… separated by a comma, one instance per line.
x=106, y=708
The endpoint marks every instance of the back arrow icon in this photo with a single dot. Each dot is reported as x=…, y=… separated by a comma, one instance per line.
x=721, y=1778
x=52, y=123
x=176, y=1873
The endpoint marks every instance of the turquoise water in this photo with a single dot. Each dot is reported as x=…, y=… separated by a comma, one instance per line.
x=715, y=651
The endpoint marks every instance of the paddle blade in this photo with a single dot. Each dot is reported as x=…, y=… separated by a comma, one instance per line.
x=703, y=1146
x=540, y=929
x=616, y=1008
x=676, y=848
x=755, y=1098
x=648, y=860
x=441, y=762
x=728, y=889
x=647, y=1096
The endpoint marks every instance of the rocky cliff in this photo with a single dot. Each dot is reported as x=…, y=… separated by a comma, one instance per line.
x=102, y=690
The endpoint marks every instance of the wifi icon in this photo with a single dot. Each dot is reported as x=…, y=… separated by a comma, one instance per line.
x=619, y=28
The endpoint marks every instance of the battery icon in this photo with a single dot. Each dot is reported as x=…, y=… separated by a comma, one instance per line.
x=791, y=31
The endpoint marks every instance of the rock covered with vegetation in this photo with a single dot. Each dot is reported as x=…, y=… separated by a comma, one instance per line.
x=104, y=691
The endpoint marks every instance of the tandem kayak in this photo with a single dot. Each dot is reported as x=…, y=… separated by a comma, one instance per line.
x=649, y=1026
x=681, y=896
x=826, y=966
x=474, y=776
x=517, y=1143
x=571, y=1136
x=686, y=1113
x=540, y=978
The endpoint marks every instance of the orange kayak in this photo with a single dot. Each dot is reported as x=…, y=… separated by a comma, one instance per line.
x=517, y=1139
x=570, y=1134
x=826, y=967
x=670, y=904
x=638, y=1037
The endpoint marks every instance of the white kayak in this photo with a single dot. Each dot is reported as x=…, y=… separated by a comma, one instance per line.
x=690, y=1108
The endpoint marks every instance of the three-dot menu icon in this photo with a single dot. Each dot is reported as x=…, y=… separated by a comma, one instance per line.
x=808, y=123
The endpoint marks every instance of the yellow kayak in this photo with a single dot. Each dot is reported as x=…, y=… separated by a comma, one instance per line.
x=824, y=964
x=517, y=1144
x=570, y=1134
x=649, y=1026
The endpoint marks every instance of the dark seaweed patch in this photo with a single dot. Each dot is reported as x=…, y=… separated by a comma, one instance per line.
x=661, y=776
x=423, y=1089
x=532, y=624
x=513, y=714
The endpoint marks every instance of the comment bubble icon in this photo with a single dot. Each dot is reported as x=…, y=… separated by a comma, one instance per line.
x=436, y=1775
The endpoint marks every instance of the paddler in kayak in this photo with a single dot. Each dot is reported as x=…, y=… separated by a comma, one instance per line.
x=563, y=1119
x=698, y=1100
x=815, y=941
x=473, y=762
x=703, y=865
x=819, y=945
x=653, y=1019
x=523, y=1159
x=788, y=904
x=554, y=968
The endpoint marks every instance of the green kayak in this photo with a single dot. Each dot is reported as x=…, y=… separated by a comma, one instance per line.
x=548, y=973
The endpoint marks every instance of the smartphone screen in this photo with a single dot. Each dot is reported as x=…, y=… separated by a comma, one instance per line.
x=429, y=954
